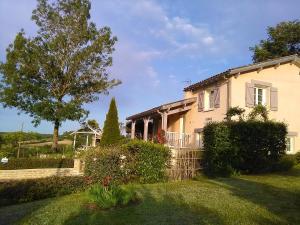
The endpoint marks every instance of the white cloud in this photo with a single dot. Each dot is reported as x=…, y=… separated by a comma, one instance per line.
x=180, y=34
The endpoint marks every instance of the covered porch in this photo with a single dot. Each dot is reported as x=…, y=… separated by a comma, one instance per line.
x=163, y=124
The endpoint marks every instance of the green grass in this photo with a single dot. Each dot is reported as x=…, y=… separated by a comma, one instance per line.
x=262, y=199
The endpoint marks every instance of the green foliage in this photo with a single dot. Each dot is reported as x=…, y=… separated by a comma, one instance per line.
x=285, y=163
x=219, y=154
x=12, y=138
x=111, y=196
x=111, y=130
x=259, y=112
x=34, y=163
x=136, y=160
x=283, y=40
x=105, y=162
x=13, y=192
x=235, y=111
x=246, y=146
x=297, y=157
x=1, y=141
x=147, y=161
x=27, y=151
x=93, y=124
x=52, y=75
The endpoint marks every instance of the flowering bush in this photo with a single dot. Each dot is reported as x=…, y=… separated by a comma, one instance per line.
x=137, y=160
x=105, y=163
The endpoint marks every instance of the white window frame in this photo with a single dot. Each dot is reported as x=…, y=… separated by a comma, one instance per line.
x=209, y=99
x=264, y=96
x=199, y=139
x=291, y=140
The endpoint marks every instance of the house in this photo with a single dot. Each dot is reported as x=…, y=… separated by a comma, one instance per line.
x=274, y=83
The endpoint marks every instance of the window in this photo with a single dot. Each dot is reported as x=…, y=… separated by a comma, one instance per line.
x=289, y=144
x=259, y=96
x=199, y=140
x=209, y=96
x=211, y=99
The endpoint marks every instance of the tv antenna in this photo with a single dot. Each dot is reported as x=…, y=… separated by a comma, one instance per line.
x=187, y=82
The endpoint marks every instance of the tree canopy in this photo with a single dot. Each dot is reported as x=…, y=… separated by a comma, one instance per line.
x=283, y=40
x=111, y=130
x=52, y=75
x=93, y=124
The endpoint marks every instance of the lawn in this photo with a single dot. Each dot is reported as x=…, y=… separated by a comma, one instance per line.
x=262, y=199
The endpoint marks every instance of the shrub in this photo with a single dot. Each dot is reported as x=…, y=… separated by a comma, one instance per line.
x=105, y=162
x=219, y=154
x=259, y=112
x=34, y=163
x=246, y=146
x=297, y=157
x=13, y=192
x=285, y=163
x=111, y=196
x=136, y=160
x=147, y=161
x=235, y=111
x=260, y=144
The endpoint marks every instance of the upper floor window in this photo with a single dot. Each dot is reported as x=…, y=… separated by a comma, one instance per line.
x=261, y=93
x=211, y=99
x=260, y=96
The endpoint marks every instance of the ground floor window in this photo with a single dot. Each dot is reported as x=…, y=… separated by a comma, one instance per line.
x=199, y=139
x=289, y=144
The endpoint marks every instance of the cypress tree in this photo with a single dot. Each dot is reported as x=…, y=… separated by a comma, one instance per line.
x=111, y=130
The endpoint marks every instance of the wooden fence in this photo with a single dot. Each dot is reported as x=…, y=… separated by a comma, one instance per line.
x=185, y=163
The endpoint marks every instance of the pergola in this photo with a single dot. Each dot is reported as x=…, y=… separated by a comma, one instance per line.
x=162, y=111
x=88, y=130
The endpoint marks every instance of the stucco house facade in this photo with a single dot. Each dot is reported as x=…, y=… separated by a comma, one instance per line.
x=273, y=83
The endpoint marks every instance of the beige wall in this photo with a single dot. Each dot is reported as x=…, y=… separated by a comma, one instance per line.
x=174, y=122
x=195, y=119
x=286, y=78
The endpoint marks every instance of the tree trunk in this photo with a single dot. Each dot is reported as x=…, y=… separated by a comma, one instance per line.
x=55, y=136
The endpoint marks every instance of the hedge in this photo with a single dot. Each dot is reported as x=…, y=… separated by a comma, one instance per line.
x=148, y=161
x=34, y=163
x=13, y=192
x=136, y=160
x=242, y=146
x=104, y=162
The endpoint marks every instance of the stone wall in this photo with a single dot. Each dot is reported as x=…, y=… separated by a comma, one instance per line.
x=40, y=173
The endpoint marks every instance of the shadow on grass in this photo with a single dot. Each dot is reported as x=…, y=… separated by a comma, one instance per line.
x=12, y=214
x=156, y=207
x=284, y=203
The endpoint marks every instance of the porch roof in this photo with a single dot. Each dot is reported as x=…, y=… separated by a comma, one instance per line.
x=162, y=108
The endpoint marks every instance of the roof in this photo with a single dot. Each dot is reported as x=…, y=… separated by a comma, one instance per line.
x=87, y=126
x=161, y=108
x=242, y=69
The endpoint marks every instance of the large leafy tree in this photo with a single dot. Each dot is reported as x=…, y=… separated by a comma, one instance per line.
x=93, y=124
x=52, y=75
x=283, y=40
x=111, y=131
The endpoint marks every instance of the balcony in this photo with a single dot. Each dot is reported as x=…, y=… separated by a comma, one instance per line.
x=180, y=140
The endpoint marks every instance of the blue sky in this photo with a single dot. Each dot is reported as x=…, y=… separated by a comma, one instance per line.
x=161, y=45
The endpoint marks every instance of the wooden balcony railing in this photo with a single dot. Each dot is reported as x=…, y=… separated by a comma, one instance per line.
x=180, y=140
